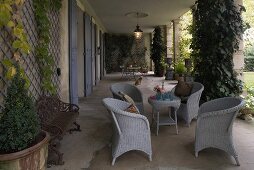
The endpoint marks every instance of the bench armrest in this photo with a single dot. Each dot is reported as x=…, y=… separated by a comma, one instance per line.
x=54, y=131
x=68, y=107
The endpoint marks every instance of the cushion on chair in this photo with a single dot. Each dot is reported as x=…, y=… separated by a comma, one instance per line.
x=183, y=89
x=126, y=98
x=132, y=109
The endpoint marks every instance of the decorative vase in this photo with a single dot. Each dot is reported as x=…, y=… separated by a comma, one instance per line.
x=158, y=96
x=32, y=158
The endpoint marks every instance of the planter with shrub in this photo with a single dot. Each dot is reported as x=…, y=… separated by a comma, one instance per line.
x=179, y=71
x=22, y=144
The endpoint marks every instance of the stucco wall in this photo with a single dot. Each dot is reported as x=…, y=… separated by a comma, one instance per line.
x=64, y=59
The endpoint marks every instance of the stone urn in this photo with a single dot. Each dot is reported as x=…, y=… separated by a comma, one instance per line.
x=32, y=158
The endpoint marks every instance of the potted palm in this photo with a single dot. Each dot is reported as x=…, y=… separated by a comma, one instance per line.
x=22, y=144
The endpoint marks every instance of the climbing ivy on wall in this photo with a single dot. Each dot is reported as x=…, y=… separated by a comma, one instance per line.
x=218, y=27
x=10, y=19
x=117, y=50
x=44, y=59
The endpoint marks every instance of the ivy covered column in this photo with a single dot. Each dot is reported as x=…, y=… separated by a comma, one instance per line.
x=217, y=30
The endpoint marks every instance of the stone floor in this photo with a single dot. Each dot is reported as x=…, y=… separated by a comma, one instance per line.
x=90, y=149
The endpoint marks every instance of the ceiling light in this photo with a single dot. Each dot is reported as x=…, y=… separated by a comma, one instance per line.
x=137, y=32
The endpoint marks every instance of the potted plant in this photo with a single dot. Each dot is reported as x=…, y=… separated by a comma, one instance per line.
x=22, y=144
x=158, y=52
x=179, y=71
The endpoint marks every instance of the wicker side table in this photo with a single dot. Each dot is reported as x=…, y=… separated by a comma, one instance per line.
x=157, y=105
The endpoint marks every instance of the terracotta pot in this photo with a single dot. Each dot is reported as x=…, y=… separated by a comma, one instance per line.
x=32, y=158
x=179, y=77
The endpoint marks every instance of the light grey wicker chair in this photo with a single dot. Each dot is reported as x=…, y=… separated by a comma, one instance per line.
x=189, y=109
x=214, y=125
x=131, y=131
x=131, y=91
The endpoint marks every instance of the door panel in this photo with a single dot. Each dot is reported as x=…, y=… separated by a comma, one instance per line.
x=93, y=53
x=80, y=53
x=73, y=52
x=101, y=56
x=88, y=54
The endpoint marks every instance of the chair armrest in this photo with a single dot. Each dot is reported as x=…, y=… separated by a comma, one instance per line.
x=138, y=118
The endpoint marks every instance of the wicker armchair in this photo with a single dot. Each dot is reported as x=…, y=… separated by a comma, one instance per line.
x=131, y=91
x=131, y=131
x=214, y=125
x=189, y=109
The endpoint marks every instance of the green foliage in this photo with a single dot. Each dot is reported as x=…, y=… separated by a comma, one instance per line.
x=249, y=63
x=248, y=16
x=248, y=79
x=180, y=68
x=44, y=59
x=158, y=52
x=18, y=123
x=10, y=19
x=217, y=28
x=56, y=4
x=249, y=99
x=117, y=50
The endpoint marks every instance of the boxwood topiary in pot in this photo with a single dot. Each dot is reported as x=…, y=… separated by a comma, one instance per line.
x=20, y=130
x=19, y=123
x=179, y=70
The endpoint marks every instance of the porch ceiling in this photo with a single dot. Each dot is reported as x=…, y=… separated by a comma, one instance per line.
x=160, y=12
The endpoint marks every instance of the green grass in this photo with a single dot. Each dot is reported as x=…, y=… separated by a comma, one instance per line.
x=248, y=78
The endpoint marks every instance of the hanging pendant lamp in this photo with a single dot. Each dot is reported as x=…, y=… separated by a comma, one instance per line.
x=138, y=32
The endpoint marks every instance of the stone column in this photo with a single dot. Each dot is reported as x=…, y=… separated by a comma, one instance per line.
x=238, y=56
x=169, y=55
x=176, y=38
x=170, y=41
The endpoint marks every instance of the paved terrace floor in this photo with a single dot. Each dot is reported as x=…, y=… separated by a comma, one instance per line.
x=90, y=149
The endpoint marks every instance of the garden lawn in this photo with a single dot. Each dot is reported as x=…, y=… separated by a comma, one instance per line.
x=248, y=78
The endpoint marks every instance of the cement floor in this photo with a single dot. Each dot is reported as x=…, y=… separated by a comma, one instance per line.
x=89, y=149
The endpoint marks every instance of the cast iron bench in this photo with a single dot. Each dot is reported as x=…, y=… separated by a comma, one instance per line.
x=57, y=117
